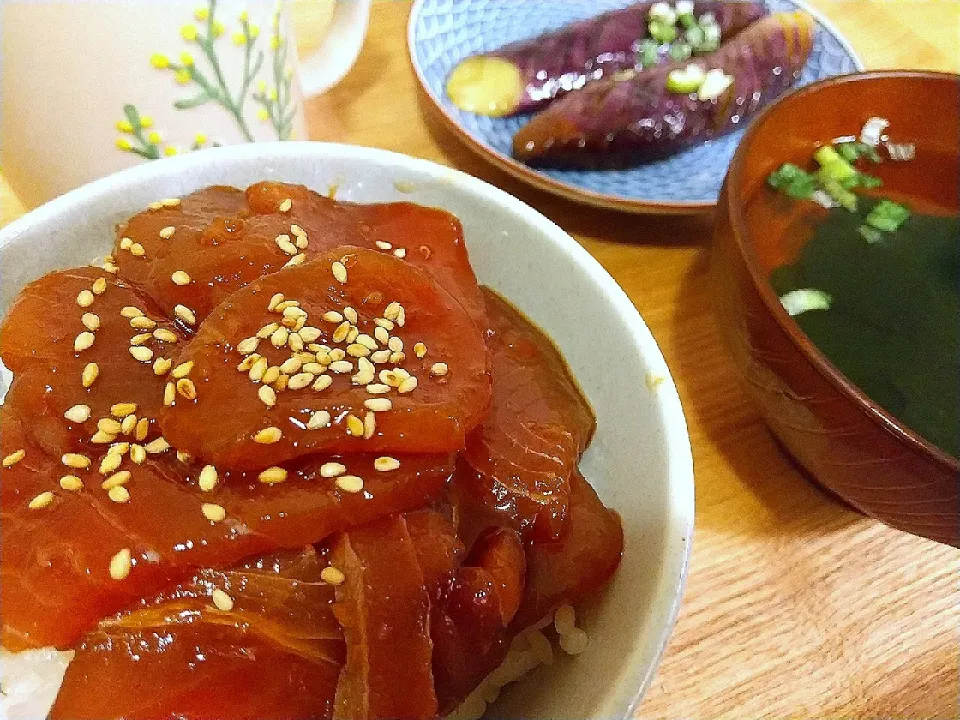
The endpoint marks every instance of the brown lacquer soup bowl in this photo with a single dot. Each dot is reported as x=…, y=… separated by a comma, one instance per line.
x=846, y=441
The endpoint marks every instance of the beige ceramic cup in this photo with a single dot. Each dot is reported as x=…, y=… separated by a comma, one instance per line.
x=94, y=86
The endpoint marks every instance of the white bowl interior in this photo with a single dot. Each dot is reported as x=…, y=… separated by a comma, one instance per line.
x=640, y=460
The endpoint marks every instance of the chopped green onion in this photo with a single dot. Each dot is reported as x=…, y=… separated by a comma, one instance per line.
x=853, y=151
x=796, y=302
x=794, y=181
x=871, y=235
x=685, y=81
x=662, y=12
x=687, y=20
x=648, y=53
x=887, y=216
x=662, y=32
x=680, y=51
x=840, y=194
x=715, y=83
x=868, y=181
x=695, y=36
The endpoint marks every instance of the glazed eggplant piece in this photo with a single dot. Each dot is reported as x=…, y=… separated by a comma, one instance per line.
x=529, y=74
x=653, y=115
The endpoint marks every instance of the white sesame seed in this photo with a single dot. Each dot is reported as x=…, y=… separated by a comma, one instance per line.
x=186, y=389
x=298, y=231
x=99, y=286
x=142, y=322
x=180, y=278
x=397, y=357
x=78, y=414
x=438, y=369
x=314, y=368
x=165, y=335
x=90, y=321
x=221, y=600
x=378, y=389
x=131, y=312
x=185, y=314
x=267, y=395
x=407, y=385
x=386, y=464
x=382, y=335
x=109, y=426
x=358, y=351
x=14, y=457
x=369, y=424
x=279, y=337
x=349, y=483
x=141, y=338
x=285, y=205
x=318, y=419
x=322, y=383
x=157, y=446
x=339, y=272
x=119, y=448
x=342, y=331
x=111, y=463
x=294, y=311
x=138, y=453
x=90, y=374
x=169, y=394
x=213, y=512
x=337, y=354
x=352, y=335
x=110, y=268
x=309, y=334
x=383, y=245
x=402, y=317
x=333, y=316
x=258, y=369
x=120, y=564
x=384, y=323
x=301, y=242
x=267, y=330
x=274, y=301
x=41, y=501
x=184, y=457
x=71, y=483
x=378, y=404
x=400, y=253
x=273, y=475
x=332, y=576
x=395, y=344
x=341, y=366
x=117, y=479
x=137, y=250
x=102, y=438
x=271, y=375
x=268, y=436
x=142, y=354
x=381, y=356
x=119, y=494
x=332, y=469
x=73, y=460
x=83, y=341
x=300, y=381
x=208, y=478
x=283, y=242
x=129, y=424
x=420, y=350
x=182, y=370
x=392, y=311
x=167, y=232
x=85, y=299
x=295, y=342
x=170, y=202
x=125, y=243
x=291, y=365
x=354, y=426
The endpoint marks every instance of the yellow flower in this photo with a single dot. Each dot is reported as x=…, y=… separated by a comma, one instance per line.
x=254, y=31
x=182, y=76
x=288, y=73
x=170, y=151
x=189, y=32
x=123, y=143
x=275, y=42
x=146, y=121
x=217, y=28
x=239, y=38
x=154, y=137
x=159, y=61
x=201, y=13
x=186, y=59
x=263, y=114
x=124, y=126
x=262, y=86
x=244, y=16
x=272, y=94
x=200, y=139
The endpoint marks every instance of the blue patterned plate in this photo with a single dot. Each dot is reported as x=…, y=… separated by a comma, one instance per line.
x=443, y=32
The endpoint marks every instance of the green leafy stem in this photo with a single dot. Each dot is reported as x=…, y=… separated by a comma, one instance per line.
x=276, y=104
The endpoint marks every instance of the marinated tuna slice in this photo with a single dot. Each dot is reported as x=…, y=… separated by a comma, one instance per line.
x=257, y=642
x=384, y=609
x=428, y=238
x=618, y=123
x=576, y=565
x=539, y=423
x=323, y=495
x=355, y=351
x=469, y=622
x=91, y=359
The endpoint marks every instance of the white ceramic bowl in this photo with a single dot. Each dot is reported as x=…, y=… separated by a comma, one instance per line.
x=640, y=460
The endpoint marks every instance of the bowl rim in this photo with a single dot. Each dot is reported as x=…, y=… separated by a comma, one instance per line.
x=568, y=190
x=678, y=522
x=877, y=414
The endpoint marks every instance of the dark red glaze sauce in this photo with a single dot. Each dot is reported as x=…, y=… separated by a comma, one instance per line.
x=222, y=532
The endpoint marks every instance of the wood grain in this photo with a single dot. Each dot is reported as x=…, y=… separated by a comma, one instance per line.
x=796, y=607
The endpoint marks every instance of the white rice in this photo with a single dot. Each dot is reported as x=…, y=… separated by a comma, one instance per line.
x=30, y=681
x=528, y=651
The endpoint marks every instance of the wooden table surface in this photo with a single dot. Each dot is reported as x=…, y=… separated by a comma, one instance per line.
x=796, y=607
